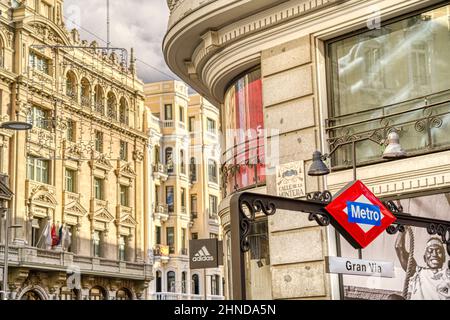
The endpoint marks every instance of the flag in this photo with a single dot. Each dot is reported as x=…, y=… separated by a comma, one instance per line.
x=47, y=234
x=67, y=238
x=54, y=236
x=60, y=235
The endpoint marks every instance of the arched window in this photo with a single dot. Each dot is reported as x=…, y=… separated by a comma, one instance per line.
x=158, y=281
x=123, y=111
x=112, y=106
x=31, y=295
x=183, y=282
x=169, y=160
x=71, y=85
x=170, y=281
x=182, y=164
x=97, y=293
x=85, y=93
x=212, y=171
x=124, y=294
x=195, y=284
x=99, y=103
x=193, y=170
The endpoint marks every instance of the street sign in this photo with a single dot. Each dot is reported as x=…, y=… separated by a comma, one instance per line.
x=203, y=253
x=360, y=267
x=361, y=217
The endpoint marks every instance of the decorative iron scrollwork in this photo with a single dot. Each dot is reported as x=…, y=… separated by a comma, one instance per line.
x=393, y=207
x=321, y=219
x=322, y=197
x=394, y=228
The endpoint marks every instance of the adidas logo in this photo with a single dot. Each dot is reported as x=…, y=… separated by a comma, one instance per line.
x=203, y=255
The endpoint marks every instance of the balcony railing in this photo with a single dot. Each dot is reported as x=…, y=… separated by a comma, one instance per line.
x=422, y=124
x=161, y=250
x=168, y=123
x=99, y=107
x=159, y=168
x=86, y=101
x=161, y=212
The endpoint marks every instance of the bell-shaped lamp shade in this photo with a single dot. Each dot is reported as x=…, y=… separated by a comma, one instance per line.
x=318, y=167
x=394, y=150
x=16, y=125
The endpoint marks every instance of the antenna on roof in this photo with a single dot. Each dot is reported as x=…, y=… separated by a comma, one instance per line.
x=108, y=36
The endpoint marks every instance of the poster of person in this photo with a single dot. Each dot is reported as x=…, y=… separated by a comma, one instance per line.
x=420, y=260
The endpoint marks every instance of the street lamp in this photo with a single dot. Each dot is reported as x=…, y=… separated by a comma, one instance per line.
x=16, y=126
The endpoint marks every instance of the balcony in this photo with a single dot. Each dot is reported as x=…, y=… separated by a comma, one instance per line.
x=161, y=252
x=30, y=257
x=161, y=212
x=160, y=171
x=168, y=123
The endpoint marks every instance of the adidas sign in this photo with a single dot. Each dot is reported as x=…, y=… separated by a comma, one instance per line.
x=203, y=255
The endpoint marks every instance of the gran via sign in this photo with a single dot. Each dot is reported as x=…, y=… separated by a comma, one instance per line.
x=360, y=267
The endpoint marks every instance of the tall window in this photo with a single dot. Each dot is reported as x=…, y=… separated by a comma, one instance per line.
x=183, y=240
x=98, y=189
x=38, y=170
x=183, y=198
x=170, y=239
x=170, y=199
x=71, y=85
x=169, y=160
x=123, y=111
x=71, y=180
x=85, y=93
x=212, y=171
x=158, y=234
x=40, y=118
x=37, y=226
x=193, y=170
x=211, y=126
x=124, y=196
x=168, y=112
x=112, y=106
x=157, y=195
x=157, y=154
x=191, y=124
x=99, y=97
x=183, y=282
x=181, y=110
x=98, y=141
x=122, y=248
x=213, y=205
x=182, y=163
x=123, y=150
x=97, y=240
x=195, y=284
x=70, y=131
x=39, y=62
x=194, y=205
x=170, y=281
x=215, y=285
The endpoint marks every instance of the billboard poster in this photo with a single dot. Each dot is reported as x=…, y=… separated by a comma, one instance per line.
x=420, y=260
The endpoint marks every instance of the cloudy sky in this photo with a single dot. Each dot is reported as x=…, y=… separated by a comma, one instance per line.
x=140, y=24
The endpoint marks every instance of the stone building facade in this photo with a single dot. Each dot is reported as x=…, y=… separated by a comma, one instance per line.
x=79, y=173
x=315, y=74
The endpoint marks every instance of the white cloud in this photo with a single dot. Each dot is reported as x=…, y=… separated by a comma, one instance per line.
x=140, y=24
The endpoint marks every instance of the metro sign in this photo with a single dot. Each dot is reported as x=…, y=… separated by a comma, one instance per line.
x=360, y=216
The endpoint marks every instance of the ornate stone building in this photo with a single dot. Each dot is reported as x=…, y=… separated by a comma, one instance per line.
x=317, y=75
x=77, y=177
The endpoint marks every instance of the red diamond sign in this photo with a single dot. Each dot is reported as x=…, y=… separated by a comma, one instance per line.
x=360, y=216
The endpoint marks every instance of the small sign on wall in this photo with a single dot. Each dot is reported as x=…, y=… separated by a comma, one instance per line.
x=291, y=180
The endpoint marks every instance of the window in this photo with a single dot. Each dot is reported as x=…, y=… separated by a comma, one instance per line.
x=191, y=124
x=169, y=160
x=157, y=155
x=85, y=93
x=40, y=118
x=123, y=111
x=158, y=281
x=211, y=126
x=181, y=110
x=112, y=106
x=71, y=180
x=98, y=141
x=183, y=198
x=183, y=241
x=193, y=170
x=98, y=188
x=194, y=236
x=170, y=199
x=124, y=196
x=38, y=170
x=195, y=284
x=122, y=248
x=168, y=112
x=99, y=100
x=170, y=239
x=215, y=285
x=158, y=234
x=170, y=281
x=157, y=195
x=183, y=282
x=194, y=206
x=123, y=150
x=97, y=293
x=97, y=241
x=39, y=62
x=404, y=55
x=70, y=132
x=212, y=171
x=37, y=228
x=212, y=206
x=71, y=85
x=182, y=163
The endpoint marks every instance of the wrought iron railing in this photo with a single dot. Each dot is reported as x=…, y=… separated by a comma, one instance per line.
x=422, y=123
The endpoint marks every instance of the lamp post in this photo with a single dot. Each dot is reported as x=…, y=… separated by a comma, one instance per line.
x=16, y=126
x=393, y=151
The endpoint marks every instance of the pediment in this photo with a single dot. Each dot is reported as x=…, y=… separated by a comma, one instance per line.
x=43, y=196
x=128, y=221
x=126, y=170
x=101, y=162
x=49, y=31
x=103, y=215
x=75, y=209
